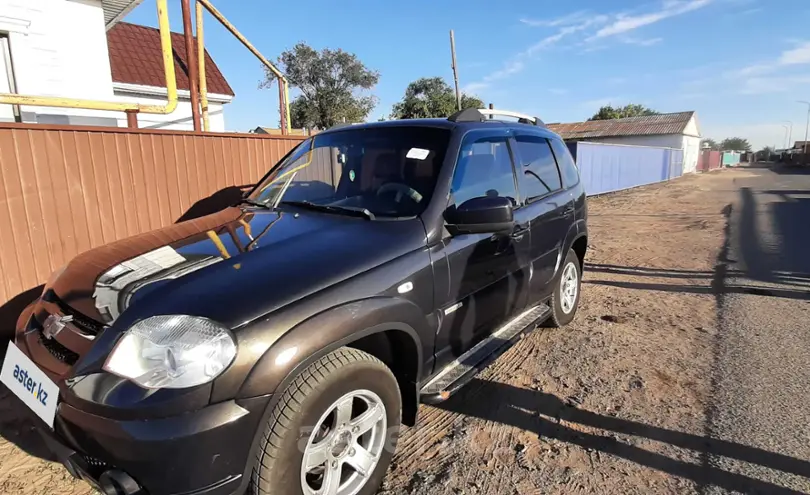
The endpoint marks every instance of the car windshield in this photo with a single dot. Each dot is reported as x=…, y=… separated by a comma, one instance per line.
x=384, y=171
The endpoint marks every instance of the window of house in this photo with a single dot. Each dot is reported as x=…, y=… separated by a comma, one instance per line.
x=484, y=168
x=538, y=166
x=8, y=113
x=565, y=161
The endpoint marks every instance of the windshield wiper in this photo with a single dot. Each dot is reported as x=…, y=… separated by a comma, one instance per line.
x=253, y=202
x=351, y=210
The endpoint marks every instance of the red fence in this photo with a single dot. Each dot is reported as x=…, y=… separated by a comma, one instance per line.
x=66, y=189
x=709, y=160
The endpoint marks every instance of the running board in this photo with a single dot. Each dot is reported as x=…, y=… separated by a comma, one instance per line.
x=458, y=373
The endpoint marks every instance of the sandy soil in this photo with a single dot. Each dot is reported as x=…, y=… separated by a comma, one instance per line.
x=614, y=403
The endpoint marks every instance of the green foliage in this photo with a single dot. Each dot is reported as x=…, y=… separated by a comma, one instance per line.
x=711, y=142
x=608, y=112
x=735, y=143
x=431, y=97
x=330, y=82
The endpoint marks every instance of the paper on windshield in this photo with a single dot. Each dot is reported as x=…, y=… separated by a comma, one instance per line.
x=417, y=153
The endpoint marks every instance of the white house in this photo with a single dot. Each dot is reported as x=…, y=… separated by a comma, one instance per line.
x=671, y=130
x=80, y=49
x=136, y=64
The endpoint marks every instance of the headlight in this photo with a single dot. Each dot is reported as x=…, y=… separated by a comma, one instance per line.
x=172, y=352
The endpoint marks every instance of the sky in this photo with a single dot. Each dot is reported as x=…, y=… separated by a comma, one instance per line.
x=741, y=64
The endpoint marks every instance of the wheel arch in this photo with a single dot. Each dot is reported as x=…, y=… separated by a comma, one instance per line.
x=580, y=247
x=387, y=328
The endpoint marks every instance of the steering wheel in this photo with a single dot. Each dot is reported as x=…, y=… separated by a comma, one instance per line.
x=401, y=190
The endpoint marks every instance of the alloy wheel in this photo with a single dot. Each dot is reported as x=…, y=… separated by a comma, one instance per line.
x=568, y=288
x=345, y=446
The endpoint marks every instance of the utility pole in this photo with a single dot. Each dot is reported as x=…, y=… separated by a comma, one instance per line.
x=455, y=69
x=806, y=128
x=786, y=136
x=191, y=63
x=790, y=134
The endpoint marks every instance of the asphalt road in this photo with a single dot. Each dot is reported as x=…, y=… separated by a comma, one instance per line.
x=760, y=400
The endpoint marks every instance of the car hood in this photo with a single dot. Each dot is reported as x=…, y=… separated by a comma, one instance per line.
x=232, y=266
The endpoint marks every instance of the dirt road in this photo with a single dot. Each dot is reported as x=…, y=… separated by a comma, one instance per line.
x=619, y=402
x=638, y=395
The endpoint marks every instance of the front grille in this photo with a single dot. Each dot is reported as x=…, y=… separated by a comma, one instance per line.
x=83, y=322
x=58, y=351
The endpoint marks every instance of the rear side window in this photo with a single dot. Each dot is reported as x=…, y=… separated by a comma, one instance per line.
x=568, y=168
x=538, y=166
x=484, y=169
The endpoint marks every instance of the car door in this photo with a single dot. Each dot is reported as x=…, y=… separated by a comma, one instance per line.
x=488, y=273
x=548, y=209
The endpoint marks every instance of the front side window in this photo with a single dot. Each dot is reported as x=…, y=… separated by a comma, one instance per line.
x=538, y=166
x=389, y=171
x=484, y=168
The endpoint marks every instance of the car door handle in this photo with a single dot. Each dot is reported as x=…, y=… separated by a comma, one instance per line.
x=568, y=209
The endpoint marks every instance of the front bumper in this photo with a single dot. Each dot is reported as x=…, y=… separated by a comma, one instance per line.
x=203, y=452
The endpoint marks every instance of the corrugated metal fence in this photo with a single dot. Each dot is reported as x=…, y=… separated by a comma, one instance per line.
x=66, y=189
x=709, y=160
x=731, y=158
x=611, y=167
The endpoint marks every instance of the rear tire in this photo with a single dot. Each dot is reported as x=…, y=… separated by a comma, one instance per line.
x=565, y=298
x=342, y=414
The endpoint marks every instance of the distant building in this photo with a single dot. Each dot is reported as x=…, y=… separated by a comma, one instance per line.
x=277, y=132
x=799, y=146
x=80, y=49
x=671, y=130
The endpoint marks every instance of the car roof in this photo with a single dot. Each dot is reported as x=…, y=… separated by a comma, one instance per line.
x=444, y=124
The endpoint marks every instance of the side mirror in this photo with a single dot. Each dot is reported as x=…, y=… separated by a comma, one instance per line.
x=485, y=214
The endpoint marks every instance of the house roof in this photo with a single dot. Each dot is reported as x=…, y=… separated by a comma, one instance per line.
x=115, y=10
x=665, y=123
x=136, y=58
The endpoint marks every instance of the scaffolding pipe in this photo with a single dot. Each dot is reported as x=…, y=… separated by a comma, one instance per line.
x=284, y=103
x=168, y=69
x=201, y=66
x=191, y=62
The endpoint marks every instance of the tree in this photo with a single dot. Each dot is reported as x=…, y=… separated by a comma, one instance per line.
x=330, y=82
x=608, y=112
x=765, y=153
x=431, y=97
x=712, y=144
x=735, y=143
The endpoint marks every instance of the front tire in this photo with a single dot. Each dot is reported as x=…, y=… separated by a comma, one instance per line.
x=334, y=430
x=565, y=298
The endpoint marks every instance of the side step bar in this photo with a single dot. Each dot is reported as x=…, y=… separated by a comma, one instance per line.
x=458, y=373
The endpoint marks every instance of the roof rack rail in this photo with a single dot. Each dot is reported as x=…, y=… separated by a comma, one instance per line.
x=478, y=115
x=343, y=124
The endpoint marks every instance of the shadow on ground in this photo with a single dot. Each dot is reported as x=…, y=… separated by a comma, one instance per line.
x=548, y=416
x=782, y=261
x=774, y=254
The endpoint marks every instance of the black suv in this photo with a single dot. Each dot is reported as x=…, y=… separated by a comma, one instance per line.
x=276, y=346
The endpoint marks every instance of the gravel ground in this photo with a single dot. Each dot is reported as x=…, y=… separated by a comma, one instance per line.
x=622, y=400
